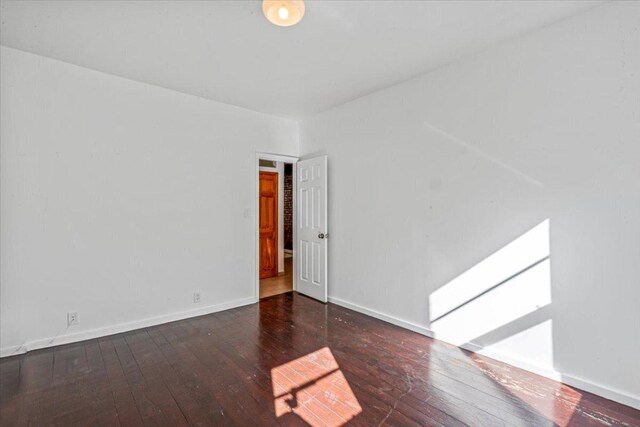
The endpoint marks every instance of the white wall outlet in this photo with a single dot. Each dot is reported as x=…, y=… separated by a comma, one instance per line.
x=72, y=319
x=196, y=297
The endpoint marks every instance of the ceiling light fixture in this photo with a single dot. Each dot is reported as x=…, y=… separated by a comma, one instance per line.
x=283, y=13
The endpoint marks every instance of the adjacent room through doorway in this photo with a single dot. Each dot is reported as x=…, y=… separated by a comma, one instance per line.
x=275, y=227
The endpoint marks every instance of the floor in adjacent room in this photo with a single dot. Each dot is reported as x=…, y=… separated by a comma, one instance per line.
x=287, y=360
x=278, y=284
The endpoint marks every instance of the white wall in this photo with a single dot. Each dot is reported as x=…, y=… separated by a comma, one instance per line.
x=432, y=176
x=120, y=199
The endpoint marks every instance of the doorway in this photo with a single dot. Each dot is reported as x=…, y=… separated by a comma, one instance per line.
x=275, y=225
x=303, y=261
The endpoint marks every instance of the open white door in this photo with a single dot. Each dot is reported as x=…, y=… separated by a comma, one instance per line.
x=312, y=233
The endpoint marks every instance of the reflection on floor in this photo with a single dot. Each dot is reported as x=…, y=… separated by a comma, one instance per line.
x=279, y=284
x=285, y=361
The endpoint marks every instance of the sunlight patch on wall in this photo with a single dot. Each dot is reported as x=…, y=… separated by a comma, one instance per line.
x=502, y=308
x=314, y=388
x=513, y=282
x=535, y=345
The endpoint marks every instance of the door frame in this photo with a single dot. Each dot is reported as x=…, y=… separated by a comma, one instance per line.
x=256, y=227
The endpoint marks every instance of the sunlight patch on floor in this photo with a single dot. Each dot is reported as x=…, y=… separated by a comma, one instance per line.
x=314, y=388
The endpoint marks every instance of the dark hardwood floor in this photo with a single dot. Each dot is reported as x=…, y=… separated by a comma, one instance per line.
x=285, y=361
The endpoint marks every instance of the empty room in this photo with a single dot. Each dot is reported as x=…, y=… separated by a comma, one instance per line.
x=187, y=237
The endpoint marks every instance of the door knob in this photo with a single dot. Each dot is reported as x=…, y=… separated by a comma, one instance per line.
x=321, y=236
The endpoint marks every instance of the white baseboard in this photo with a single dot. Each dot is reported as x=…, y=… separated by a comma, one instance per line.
x=606, y=392
x=122, y=327
x=600, y=390
x=545, y=372
x=378, y=315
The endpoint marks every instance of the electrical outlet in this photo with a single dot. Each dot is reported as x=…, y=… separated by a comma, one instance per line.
x=72, y=319
x=196, y=297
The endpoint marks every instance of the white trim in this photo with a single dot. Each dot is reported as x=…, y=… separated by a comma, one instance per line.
x=122, y=327
x=385, y=317
x=600, y=390
x=597, y=389
x=276, y=158
x=294, y=220
x=545, y=372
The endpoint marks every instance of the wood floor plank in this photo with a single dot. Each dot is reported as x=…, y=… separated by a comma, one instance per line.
x=288, y=361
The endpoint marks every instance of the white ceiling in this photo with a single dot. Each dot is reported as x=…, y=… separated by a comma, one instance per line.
x=227, y=51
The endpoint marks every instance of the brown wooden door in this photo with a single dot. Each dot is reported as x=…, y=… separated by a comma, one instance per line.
x=268, y=224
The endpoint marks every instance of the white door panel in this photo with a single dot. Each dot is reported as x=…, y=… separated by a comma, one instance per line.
x=312, y=230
